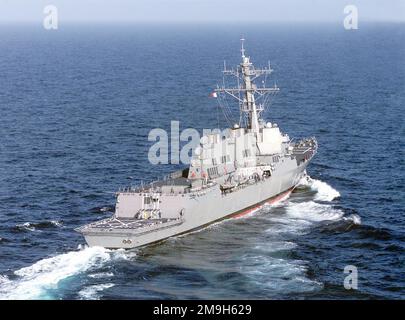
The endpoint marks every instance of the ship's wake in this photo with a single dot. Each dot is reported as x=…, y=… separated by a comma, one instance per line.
x=307, y=210
x=43, y=279
x=87, y=274
x=270, y=264
x=302, y=212
x=324, y=192
x=321, y=207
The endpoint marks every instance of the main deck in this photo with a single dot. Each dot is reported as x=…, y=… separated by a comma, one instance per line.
x=113, y=223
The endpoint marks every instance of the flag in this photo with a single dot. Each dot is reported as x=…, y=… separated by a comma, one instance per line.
x=213, y=95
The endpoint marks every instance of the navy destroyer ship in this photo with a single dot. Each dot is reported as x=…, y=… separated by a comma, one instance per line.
x=230, y=175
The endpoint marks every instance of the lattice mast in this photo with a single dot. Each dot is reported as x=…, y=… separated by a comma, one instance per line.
x=247, y=92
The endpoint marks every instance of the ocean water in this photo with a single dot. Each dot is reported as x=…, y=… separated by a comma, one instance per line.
x=77, y=104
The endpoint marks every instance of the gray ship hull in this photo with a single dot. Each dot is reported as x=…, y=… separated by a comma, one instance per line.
x=202, y=210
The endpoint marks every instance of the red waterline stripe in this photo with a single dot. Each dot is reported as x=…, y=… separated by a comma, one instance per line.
x=270, y=201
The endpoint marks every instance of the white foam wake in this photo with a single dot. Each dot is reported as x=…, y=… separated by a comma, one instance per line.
x=301, y=215
x=276, y=275
x=354, y=218
x=313, y=212
x=324, y=192
x=93, y=292
x=33, y=282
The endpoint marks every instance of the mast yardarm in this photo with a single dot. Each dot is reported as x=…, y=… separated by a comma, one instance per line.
x=247, y=92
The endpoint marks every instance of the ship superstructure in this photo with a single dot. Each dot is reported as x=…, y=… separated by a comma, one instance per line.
x=230, y=174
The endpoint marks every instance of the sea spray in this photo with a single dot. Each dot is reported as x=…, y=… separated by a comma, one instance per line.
x=324, y=192
x=313, y=212
x=93, y=292
x=33, y=282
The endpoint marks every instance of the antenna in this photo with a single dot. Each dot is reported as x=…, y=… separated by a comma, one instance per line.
x=242, y=40
x=246, y=92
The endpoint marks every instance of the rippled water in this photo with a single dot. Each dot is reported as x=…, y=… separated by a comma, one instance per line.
x=77, y=104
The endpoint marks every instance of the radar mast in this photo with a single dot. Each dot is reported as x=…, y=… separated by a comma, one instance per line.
x=247, y=92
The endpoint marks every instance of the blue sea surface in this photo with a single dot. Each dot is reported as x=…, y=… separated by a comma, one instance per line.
x=76, y=107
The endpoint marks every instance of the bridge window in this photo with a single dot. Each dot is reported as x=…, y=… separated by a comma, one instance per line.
x=213, y=171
